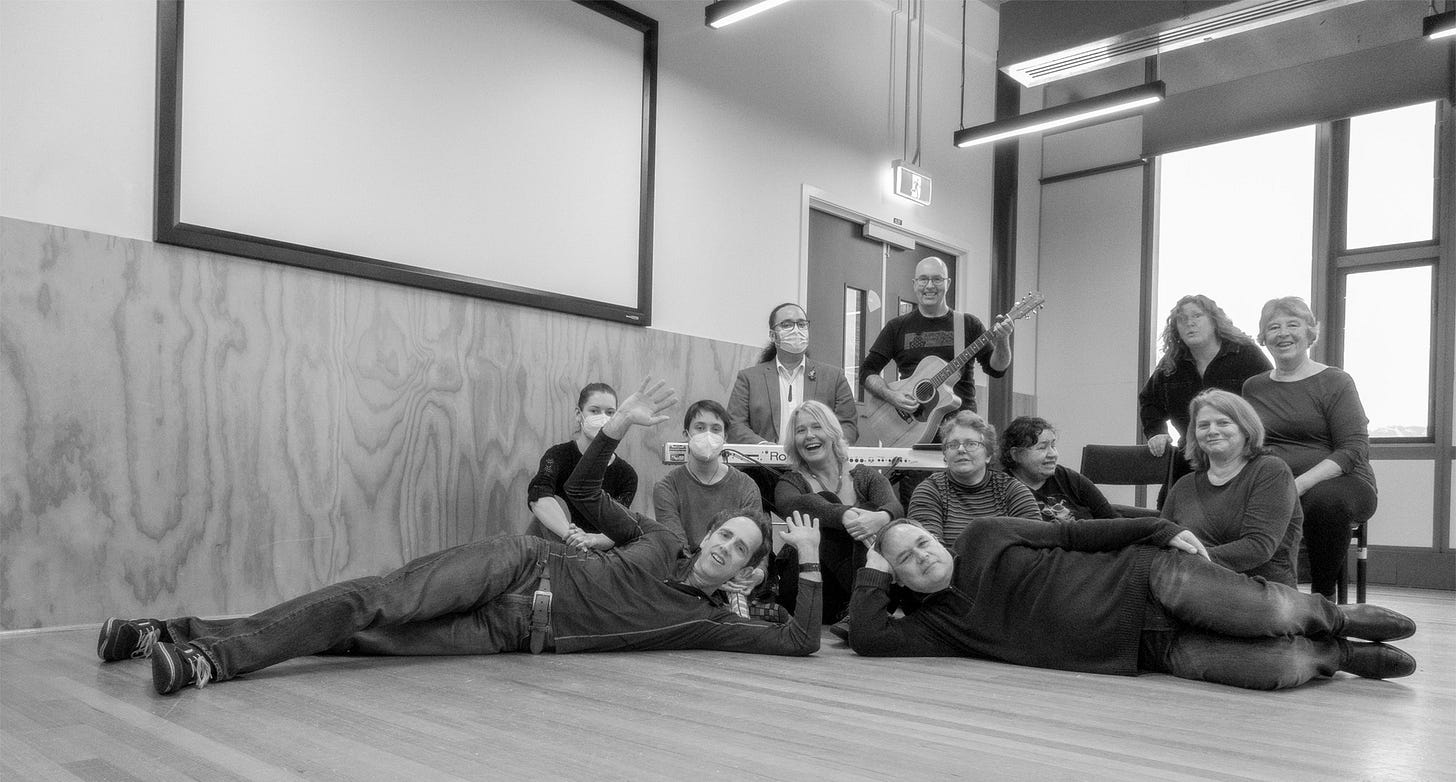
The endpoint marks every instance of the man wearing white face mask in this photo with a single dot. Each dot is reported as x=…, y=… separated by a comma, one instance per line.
x=688, y=497
x=764, y=395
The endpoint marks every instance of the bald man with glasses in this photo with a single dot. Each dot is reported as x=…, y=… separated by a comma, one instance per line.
x=929, y=330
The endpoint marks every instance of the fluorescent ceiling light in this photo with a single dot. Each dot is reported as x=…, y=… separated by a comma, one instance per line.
x=1066, y=114
x=1442, y=25
x=726, y=12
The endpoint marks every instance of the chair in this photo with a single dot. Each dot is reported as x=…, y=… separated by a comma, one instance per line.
x=1127, y=465
x=1358, y=536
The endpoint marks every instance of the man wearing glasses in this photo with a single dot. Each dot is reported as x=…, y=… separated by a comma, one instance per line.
x=929, y=330
x=765, y=394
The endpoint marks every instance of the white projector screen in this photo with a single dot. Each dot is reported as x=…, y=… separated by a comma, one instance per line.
x=487, y=147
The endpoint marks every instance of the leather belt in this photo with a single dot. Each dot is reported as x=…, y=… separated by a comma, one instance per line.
x=541, y=615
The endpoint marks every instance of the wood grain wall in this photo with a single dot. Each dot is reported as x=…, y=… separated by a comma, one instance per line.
x=190, y=433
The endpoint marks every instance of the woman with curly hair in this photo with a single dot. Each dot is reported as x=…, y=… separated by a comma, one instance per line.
x=1201, y=349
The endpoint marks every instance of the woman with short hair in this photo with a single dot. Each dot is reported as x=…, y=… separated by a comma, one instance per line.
x=1238, y=500
x=1317, y=425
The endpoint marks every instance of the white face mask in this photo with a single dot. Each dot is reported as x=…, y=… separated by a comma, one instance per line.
x=706, y=446
x=592, y=424
x=794, y=342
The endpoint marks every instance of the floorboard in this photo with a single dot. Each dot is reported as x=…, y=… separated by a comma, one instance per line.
x=705, y=715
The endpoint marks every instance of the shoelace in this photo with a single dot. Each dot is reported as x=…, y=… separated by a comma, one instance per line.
x=201, y=669
x=146, y=643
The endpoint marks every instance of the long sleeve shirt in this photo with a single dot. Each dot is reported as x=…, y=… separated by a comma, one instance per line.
x=910, y=338
x=1070, y=596
x=1165, y=398
x=946, y=508
x=620, y=480
x=634, y=596
x=1310, y=420
x=1252, y=524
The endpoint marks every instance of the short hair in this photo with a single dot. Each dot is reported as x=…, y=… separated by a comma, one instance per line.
x=822, y=415
x=1022, y=432
x=704, y=406
x=1236, y=408
x=879, y=544
x=594, y=388
x=1174, y=350
x=1292, y=306
x=970, y=420
x=759, y=520
x=771, y=350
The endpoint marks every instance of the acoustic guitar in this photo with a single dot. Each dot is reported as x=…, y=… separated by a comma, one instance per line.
x=931, y=384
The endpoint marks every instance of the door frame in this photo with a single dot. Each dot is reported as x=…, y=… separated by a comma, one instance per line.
x=812, y=197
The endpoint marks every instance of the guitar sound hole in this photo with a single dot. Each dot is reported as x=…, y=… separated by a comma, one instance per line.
x=924, y=392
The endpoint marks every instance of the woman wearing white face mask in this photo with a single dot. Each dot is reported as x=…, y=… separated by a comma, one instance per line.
x=765, y=395
x=555, y=518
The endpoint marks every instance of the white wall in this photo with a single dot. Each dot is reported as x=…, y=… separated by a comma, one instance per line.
x=746, y=117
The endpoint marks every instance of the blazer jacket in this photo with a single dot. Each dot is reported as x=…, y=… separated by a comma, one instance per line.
x=753, y=407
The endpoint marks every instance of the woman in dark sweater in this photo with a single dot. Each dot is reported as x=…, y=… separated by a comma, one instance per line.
x=852, y=503
x=554, y=516
x=1029, y=454
x=1317, y=425
x=1114, y=596
x=1238, y=500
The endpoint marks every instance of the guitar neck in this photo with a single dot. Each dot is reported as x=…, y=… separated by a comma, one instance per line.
x=954, y=367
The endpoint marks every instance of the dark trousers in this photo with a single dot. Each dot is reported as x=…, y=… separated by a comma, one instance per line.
x=1233, y=629
x=1332, y=509
x=470, y=599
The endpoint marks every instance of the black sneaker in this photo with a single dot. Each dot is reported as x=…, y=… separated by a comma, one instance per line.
x=175, y=666
x=134, y=639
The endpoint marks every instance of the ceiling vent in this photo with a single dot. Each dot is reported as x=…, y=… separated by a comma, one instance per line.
x=1220, y=22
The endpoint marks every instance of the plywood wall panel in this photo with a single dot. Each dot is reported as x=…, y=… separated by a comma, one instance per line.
x=185, y=432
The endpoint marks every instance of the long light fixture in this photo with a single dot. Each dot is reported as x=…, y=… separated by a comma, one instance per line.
x=725, y=12
x=1066, y=114
x=1442, y=25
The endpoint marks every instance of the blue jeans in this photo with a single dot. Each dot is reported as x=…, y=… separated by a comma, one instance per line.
x=470, y=599
x=1233, y=629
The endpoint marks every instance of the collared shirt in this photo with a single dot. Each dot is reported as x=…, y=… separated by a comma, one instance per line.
x=791, y=395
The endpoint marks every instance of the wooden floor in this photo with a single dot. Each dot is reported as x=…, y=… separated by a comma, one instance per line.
x=705, y=715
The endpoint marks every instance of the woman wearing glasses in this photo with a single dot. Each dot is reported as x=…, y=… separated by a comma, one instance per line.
x=946, y=503
x=765, y=395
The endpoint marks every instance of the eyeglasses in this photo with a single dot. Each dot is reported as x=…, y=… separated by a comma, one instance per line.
x=962, y=445
x=930, y=280
x=790, y=325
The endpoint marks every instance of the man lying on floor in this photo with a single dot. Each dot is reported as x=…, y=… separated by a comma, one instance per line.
x=512, y=594
x=1118, y=597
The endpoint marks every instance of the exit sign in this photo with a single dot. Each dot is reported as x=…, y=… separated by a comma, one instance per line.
x=912, y=184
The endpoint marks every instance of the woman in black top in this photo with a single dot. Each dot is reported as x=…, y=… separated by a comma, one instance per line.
x=555, y=518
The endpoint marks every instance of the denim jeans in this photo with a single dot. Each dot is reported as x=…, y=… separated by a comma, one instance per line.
x=470, y=599
x=1234, y=629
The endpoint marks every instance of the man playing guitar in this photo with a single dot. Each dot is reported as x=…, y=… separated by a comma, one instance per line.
x=929, y=330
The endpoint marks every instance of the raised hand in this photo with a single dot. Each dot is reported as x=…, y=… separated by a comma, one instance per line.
x=645, y=407
x=802, y=532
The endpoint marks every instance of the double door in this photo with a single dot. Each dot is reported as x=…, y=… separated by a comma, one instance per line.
x=856, y=285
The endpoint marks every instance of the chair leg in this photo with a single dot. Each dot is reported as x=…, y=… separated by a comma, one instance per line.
x=1362, y=556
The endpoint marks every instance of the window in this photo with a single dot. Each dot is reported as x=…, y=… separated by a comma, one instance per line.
x=1392, y=177
x=854, y=328
x=1391, y=368
x=1235, y=223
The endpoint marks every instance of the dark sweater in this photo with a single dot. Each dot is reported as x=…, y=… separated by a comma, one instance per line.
x=632, y=597
x=1066, y=596
x=557, y=463
x=1251, y=525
